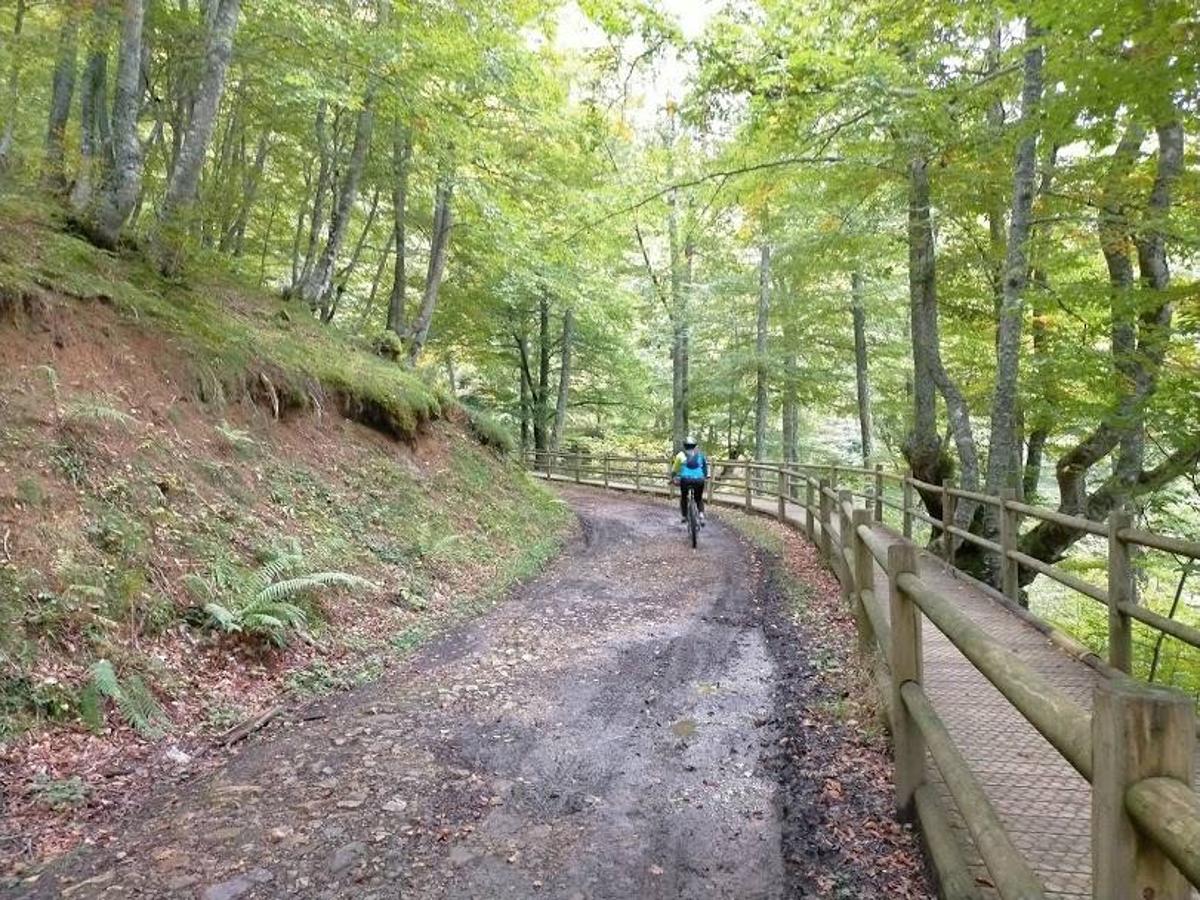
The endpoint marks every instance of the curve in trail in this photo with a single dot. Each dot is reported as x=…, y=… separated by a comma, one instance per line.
x=600, y=736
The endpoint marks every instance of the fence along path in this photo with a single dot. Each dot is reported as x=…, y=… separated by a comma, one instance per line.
x=998, y=767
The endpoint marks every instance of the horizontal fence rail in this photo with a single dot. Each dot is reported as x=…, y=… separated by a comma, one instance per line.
x=1136, y=746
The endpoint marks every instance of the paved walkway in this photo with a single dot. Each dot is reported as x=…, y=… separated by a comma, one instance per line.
x=1044, y=803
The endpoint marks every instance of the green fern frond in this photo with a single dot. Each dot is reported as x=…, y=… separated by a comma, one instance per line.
x=225, y=619
x=91, y=411
x=104, y=679
x=236, y=437
x=141, y=710
x=292, y=587
x=270, y=571
x=134, y=700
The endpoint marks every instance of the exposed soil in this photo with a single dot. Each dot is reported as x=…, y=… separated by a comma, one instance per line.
x=634, y=723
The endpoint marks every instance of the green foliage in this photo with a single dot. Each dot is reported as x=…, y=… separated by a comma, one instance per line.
x=261, y=605
x=491, y=432
x=60, y=794
x=132, y=698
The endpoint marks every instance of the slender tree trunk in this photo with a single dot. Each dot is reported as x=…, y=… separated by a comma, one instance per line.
x=541, y=394
x=315, y=290
x=343, y=275
x=13, y=101
x=376, y=282
x=175, y=216
x=94, y=155
x=678, y=407
x=62, y=89
x=235, y=237
x=761, y=409
x=525, y=388
x=401, y=162
x=685, y=343
x=442, y=223
x=564, y=378
x=791, y=403
x=316, y=219
x=1003, y=447
x=859, y=313
x=923, y=444
x=118, y=193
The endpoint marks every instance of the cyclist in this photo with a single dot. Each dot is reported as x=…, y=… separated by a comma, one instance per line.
x=689, y=470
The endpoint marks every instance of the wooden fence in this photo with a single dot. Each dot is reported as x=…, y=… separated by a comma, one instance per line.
x=1135, y=747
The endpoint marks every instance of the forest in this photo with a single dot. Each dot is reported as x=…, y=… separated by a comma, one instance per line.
x=959, y=239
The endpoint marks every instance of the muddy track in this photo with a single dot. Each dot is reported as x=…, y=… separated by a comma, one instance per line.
x=612, y=731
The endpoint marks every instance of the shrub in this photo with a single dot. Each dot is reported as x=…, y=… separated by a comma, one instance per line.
x=491, y=432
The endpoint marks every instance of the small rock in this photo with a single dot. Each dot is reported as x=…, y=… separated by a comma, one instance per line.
x=228, y=890
x=177, y=756
x=395, y=805
x=347, y=856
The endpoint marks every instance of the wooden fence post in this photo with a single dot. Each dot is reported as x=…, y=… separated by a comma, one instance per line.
x=949, y=501
x=637, y=471
x=549, y=464
x=1009, y=526
x=809, y=502
x=846, y=574
x=826, y=507
x=864, y=580
x=833, y=477
x=749, y=489
x=906, y=502
x=1120, y=590
x=783, y=488
x=878, y=492
x=906, y=666
x=1138, y=731
x=606, y=469
x=578, y=462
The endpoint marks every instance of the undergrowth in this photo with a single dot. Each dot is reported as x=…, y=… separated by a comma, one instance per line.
x=147, y=547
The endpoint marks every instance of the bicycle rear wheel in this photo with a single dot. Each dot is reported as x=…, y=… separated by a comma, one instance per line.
x=693, y=520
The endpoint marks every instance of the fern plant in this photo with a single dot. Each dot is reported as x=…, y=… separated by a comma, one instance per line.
x=263, y=605
x=131, y=697
x=80, y=410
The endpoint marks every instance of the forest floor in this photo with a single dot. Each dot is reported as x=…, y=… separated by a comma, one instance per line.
x=639, y=721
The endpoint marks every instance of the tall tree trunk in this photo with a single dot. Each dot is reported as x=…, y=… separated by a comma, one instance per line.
x=564, y=378
x=923, y=444
x=343, y=275
x=761, y=409
x=119, y=190
x=685, y=343
x=13, y=100
x=316, y=218
x=62, y=89
x=1048, y=541
x=541, y=394
x=94, y=154
x=315, y=290
x=235, y=237
x=397, y=322
x=442, y=222
x=175, y=216
x=678, y=413
x=384, y=258
x=791, y=381
x=859, y=313
x=1004, y=446
x=526, y=392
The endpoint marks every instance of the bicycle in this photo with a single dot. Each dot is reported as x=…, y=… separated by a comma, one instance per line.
x=693, y=518
x=693, y=514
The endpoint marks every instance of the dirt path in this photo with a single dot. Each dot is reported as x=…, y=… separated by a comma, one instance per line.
x=610, y=732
